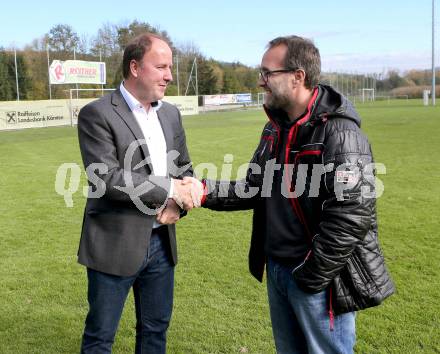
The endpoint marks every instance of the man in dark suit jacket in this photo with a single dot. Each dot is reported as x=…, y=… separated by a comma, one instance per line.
x=134, y=149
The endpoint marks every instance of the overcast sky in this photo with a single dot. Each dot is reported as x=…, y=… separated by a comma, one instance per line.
x=353, y=36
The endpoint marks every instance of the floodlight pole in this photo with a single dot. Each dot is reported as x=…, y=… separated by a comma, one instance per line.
x=196, y=87
x=100, y=60
x=76, y=85
x=197, y=80
x=177, y=74
x=48, y=71
x=16, y=74
x=433, y=55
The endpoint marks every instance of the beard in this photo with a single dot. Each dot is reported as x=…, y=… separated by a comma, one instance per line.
x=276, y=99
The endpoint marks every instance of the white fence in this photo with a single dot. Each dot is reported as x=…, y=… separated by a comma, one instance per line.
x=227, y=99
x=49, y=113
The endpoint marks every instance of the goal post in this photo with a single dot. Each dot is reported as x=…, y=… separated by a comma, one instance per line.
x=260, y=98
x=401, y=97
x=382, y=98
x=367, y=94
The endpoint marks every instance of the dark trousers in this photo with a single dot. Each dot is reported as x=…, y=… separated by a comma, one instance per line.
x=153, y=293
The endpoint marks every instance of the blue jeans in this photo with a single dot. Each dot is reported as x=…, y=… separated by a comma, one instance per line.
x=300, y=321
x=153, y=293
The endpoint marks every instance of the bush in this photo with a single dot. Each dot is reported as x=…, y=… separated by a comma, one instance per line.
x=414, y=91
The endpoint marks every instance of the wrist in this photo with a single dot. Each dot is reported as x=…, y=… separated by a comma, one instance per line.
x=174, y=194
x=205, y=191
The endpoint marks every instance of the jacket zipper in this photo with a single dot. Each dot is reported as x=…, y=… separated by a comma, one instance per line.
x=296, y=206
x=359, y=270
x=331, y=314
x=291, y=140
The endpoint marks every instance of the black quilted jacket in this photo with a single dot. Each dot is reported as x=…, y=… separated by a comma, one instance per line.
x=334, y=199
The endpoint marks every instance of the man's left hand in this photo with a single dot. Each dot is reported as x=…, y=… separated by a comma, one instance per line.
x=170, y=214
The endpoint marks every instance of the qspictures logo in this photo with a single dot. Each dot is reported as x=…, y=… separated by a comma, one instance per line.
x=11, y=117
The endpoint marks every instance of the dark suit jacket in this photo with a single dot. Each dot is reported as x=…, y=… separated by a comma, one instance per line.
x=115, y=233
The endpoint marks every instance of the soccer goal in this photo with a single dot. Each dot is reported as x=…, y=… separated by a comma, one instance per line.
x=382, y=98
x=260, y=98
x=401, y=97
x=367, y=94
x=76, y=103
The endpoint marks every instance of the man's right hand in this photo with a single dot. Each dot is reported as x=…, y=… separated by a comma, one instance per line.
x=187, y=193
x=197, y=190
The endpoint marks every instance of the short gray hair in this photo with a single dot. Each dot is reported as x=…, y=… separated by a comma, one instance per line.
x=301, y=53
x=136, y=49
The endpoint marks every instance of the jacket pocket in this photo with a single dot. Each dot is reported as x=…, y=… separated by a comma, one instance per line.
x=308, y=154
x=362, y=282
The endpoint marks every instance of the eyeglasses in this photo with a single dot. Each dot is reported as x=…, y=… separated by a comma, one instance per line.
x=265, y=74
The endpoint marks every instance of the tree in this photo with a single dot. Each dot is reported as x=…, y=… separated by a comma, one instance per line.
x=217, y=71
x=8, y=88
x=394, y=79
x=231, y=83
x=23, y=81
x=106, y=41
x=207, y=80
x=247, y=78
x=135, y=28
x=36, y=61
x=83, y=44
x=105, y=46
x=62, y=38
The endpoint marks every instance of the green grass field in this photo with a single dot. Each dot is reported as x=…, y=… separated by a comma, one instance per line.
x=219, y=307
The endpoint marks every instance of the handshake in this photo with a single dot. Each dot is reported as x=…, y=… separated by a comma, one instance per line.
x=188, y=193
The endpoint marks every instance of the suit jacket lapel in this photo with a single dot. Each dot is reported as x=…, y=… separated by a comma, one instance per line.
x=122, y=109
x=168, y=132
x=166, y=129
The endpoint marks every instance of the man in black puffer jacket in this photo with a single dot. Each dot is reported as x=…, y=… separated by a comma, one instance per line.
x=311, y=185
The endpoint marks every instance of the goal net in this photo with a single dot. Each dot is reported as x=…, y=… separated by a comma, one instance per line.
x=367, y=94
x=260, y=98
